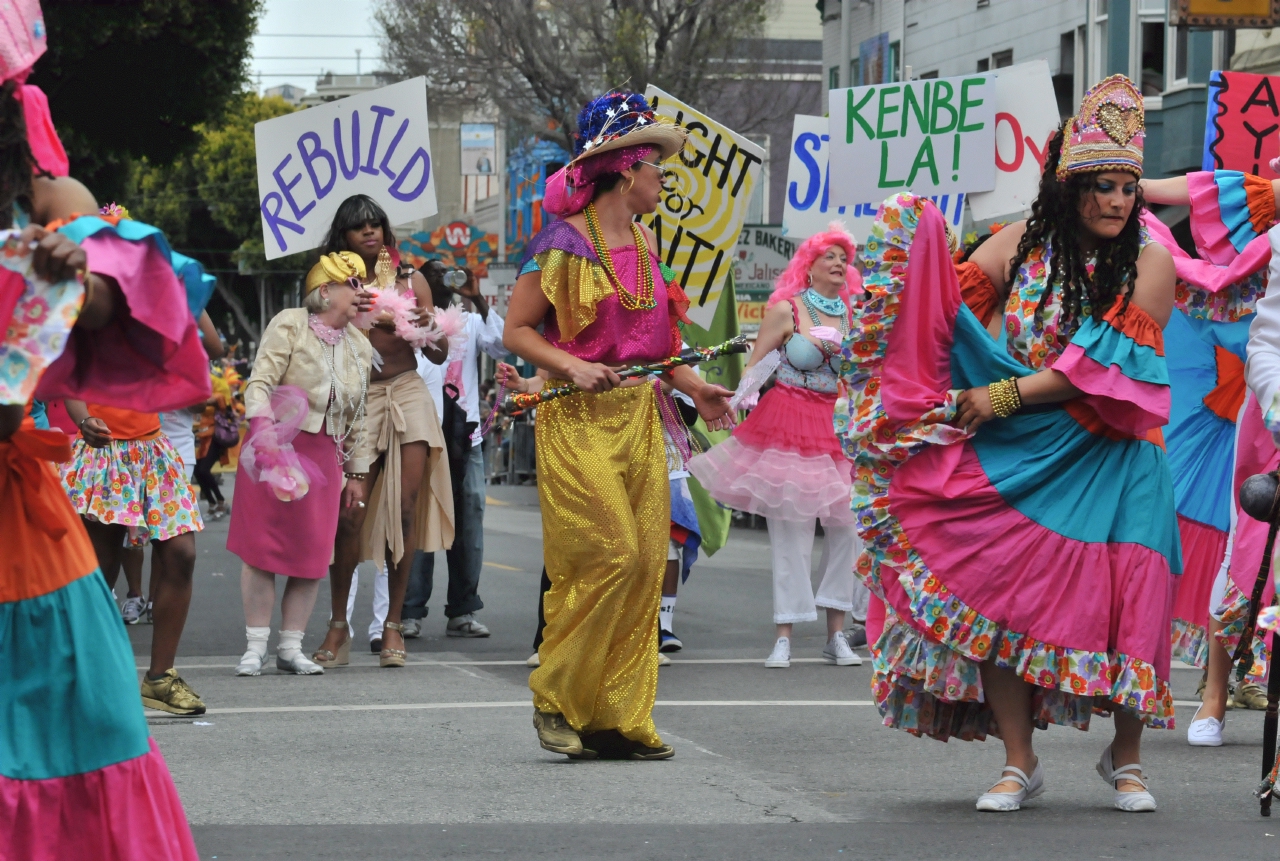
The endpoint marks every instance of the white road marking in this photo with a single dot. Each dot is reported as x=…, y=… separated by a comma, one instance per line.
x=374, y=707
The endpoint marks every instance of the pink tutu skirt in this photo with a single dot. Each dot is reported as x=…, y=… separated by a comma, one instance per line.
x=294, y=539
x=783, y=462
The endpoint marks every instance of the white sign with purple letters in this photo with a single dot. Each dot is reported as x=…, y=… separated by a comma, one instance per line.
x=309, y=161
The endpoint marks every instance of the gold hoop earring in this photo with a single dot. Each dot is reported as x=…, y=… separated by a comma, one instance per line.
x=631, y=181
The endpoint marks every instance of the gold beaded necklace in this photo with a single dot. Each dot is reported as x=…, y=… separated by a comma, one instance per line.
x=643, y=302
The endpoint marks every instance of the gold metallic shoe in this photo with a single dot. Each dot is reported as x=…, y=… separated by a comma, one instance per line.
x=1250, y=696
x=555, y=734
x=171, y=694
x=326, y=658
x=392, y=657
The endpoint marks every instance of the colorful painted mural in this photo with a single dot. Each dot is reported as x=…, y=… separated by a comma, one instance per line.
x=526, y=183
x=454, y=244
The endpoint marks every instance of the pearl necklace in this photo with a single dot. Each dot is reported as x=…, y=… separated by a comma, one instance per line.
x=340, y=400
x=645, y=300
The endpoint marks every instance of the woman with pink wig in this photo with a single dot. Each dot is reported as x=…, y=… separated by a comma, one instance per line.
x=784, y=462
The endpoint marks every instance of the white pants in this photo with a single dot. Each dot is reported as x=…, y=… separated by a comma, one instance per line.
x=792, y=545
x=381, y=599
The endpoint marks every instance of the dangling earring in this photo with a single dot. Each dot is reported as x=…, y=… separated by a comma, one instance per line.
x=384, y=274
x=808, y=280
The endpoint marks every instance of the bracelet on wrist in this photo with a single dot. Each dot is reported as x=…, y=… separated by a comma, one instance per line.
x=358, y=476
x=1005, y=397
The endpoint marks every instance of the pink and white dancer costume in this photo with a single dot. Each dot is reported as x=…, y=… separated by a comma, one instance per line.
x=784, y=461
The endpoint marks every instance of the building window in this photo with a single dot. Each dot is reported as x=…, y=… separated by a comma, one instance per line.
x=855, y=73
x=1180, y=54
x=1001, y=59
x=928, y=75
x=894, y=72
x=1152, y=57
x=1098, y=49
x=983, y=4
x=833, y=78
x=984, y=64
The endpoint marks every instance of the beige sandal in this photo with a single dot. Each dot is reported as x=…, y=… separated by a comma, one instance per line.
x=392, y=657
x=326, y=658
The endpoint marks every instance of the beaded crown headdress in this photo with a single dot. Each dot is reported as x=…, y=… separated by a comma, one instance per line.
x=1107, y=133
x=617, y=120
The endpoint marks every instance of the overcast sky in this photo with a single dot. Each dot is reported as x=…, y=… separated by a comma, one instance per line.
x=298, y=40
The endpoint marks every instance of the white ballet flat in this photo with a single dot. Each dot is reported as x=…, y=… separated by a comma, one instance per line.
x=250, y=664
x=1007, y=802
x=300, y=665
x=1129, y=802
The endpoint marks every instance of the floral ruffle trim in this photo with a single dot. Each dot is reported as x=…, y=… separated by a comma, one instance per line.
x=1234, y=614
x=1191, y=643
x=1229, y=305
x=1074, y=682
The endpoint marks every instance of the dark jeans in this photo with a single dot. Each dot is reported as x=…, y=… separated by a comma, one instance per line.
x=203, y=474
x=543, y=588
x=465, y=556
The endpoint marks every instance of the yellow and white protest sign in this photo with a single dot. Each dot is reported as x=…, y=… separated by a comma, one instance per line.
x=701, y=214
x=929, y=137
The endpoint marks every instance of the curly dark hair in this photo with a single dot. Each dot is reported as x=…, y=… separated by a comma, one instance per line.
x=17, y=164
x=1055, y=216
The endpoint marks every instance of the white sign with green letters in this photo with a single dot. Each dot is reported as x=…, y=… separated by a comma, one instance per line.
x=930, y=137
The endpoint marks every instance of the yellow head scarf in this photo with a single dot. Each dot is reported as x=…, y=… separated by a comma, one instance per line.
x=335, y=268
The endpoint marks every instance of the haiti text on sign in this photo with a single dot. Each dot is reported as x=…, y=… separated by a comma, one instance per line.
x=808, y=208
x=376, y=143
x=930, y=137
x=699, y=218
x=1242, y=123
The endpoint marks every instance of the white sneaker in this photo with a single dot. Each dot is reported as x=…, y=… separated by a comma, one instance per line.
x=1205, y=732
x=412, y=629
x=837, y=652
x=533, y=660
x=780, y=657
x=1007, y=802
x=465, y=626
x=663, y=660
x=132, y=609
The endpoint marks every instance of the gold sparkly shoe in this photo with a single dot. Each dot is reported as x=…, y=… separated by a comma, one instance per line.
x=392, y=657
x=1250, y=695
x=326, y=658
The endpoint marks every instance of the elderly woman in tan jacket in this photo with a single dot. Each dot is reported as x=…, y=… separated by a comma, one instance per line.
x=305, y=455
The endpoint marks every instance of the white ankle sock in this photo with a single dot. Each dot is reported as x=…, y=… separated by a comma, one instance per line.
x=667, y=612
x=257, y=638
x=290, y=645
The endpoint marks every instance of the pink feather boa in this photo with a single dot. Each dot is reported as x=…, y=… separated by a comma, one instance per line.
x=390, y=304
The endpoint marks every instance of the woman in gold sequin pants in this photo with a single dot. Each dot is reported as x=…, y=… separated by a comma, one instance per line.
x=594, y=285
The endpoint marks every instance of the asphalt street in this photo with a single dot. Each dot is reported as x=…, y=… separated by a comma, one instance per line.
x=440, y=760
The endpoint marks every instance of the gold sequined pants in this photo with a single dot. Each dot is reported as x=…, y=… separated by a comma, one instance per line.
x=606, y=523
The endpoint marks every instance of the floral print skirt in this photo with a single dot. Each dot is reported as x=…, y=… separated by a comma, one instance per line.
x=140, y=484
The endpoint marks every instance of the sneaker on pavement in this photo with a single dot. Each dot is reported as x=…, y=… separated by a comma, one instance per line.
x=780, y=657
x=856, y=635
x=837, y=652
x=133, y=608
x=465, y=626
x=171, y=694
x=663, y=660
x=533, y=660
x=1205, y=732
x=668, y=642
x=412, y=629
x=555, y=734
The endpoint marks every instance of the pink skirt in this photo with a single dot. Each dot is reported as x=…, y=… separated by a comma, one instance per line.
x=294, y=539
x=783, y=462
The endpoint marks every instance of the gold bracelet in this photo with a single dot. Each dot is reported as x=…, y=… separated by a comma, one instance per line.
x=1005, y=397
x=358, y=476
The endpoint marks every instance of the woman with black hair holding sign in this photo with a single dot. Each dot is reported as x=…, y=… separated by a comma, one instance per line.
x=410, y=498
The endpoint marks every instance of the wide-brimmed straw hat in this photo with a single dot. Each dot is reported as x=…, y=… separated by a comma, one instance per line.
x=616, y=120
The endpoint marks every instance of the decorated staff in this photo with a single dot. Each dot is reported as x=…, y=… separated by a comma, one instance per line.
x=688, y=356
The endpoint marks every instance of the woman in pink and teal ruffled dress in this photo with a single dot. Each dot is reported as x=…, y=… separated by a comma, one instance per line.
x=1010, y=480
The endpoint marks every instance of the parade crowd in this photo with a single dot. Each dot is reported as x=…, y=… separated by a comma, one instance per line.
x=1022, y=452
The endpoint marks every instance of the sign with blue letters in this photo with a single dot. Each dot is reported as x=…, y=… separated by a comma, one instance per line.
x=309, y=161
x=808, y=207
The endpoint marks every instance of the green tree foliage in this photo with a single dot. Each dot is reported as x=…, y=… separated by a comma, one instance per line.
x=134, y=79
x=206, y=202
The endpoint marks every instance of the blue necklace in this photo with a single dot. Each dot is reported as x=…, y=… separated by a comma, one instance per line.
x=833, y=307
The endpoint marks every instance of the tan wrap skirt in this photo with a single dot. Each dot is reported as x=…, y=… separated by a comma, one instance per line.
x=400, y=411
